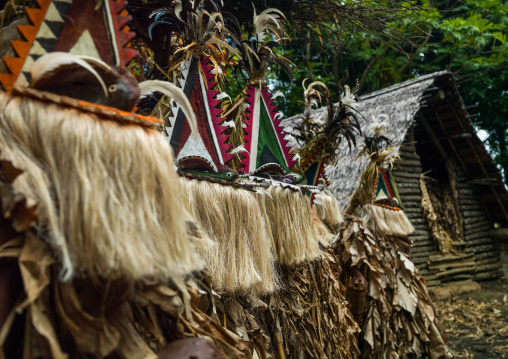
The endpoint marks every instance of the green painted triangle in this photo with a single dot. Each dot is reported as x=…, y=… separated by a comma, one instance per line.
x=268, y=146
x=381, y=190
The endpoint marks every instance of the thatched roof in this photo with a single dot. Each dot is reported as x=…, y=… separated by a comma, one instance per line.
x=434, y=97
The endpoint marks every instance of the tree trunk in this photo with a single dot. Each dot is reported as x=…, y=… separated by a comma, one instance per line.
x=308, y=57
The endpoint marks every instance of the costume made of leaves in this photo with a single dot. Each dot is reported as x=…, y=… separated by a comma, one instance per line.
x=399, y=319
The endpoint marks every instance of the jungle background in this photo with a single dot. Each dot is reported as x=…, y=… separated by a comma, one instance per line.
x=468, y=38
x=381, y=43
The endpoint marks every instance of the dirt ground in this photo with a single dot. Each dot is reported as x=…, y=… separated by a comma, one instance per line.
x=477, y=323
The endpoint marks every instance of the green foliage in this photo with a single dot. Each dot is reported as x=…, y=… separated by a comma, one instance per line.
x=468, y=37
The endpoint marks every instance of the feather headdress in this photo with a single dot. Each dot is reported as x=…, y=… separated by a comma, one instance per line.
x=257, y=49
x=321, y=138
x=199, y=31
x=257, y=125
x=374, y=133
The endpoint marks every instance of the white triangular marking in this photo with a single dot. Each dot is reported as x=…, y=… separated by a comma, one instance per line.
x=85, y=46
x=175, y=108
x=195, y=148
x=21, y=80
x=45, y=32
x=27, y=66
x=381, y=195
x=37, y=49
x=53, y=14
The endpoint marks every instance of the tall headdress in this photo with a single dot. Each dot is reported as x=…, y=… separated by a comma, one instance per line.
x=261, y=145
x=199, y=30
x=321, y=137
x=377, y=193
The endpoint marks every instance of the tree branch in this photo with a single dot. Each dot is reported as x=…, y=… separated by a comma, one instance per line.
x=415, y=54
x=371, y=64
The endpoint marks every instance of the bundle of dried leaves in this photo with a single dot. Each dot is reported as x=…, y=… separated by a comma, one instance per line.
x=439, y=234
x=310, y=317
x=399, y=317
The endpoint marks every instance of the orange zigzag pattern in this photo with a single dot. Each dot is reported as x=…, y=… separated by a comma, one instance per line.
x=120, y=19
x=22, y=48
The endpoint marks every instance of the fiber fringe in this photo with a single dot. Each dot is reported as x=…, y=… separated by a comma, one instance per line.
x=386, y=221
x=106, y=192
x=243, y=260
x=323, y=234
x=327, y=209
x=290, y=217
x=252, y=231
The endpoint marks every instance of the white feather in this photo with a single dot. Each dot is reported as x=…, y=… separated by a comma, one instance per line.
x=230, y=124
x=265, y=21
x=378, y=125
x=171, y=90
x=317, y=201
x=239, y=149
x=222, y=96
x=296, y=158
x=52, y=61
x=278, y=115
x=263, y=192
x=278, y=94
x=347, y=98
x=214, y=72
x=178, y=10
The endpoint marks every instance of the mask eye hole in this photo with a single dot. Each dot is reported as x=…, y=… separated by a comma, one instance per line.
x=112, y=88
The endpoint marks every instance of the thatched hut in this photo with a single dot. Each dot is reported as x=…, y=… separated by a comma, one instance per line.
x=431, y=128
